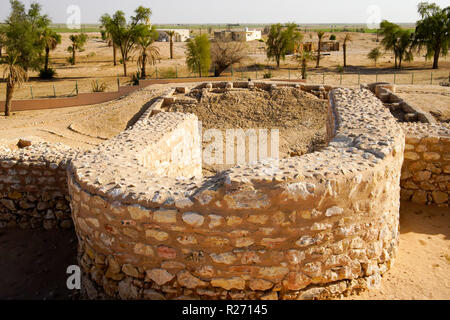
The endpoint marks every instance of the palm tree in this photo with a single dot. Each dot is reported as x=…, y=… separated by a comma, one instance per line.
x=320, y=35
x=375, y=55
x=148, y=53
x=303, y=56
x=78, y=42
x=14, y=74
x=51, y=39
x=171, y=33
x=347, y=38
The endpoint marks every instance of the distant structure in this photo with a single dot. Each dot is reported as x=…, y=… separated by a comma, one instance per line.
x=326, y=46
x=181, y=35
x=243, y=36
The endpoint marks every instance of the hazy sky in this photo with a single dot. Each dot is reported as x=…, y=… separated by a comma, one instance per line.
x=238, y=11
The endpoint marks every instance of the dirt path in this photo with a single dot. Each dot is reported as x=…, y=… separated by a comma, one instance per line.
x=78, y=127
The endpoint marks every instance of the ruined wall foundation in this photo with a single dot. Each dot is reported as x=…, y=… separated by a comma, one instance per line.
x=151, y=227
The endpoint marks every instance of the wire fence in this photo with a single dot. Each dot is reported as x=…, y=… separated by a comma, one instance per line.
x=69, y=88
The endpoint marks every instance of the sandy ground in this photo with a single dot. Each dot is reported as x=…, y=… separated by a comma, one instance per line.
x=95, y=64
x=36, y=261
x=422, y=266
x=78, y=127
x=434, y=99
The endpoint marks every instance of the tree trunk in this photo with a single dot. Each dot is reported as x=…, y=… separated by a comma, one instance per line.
x=9, y=95
x=318, y=54
x=47, y=54
x=144, y=59
x=278, y=62
x=171, y=47
x=345, y=55
x=400, y=62
x=114, y=54
x=395, y=55
x=124, y=68
x=436, y=59
x=74, y=57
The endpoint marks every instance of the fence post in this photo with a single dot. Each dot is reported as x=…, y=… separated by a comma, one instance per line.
x=76, y=87
x=395, y=77
x=340, y=80
x=156, y=75
x=232, y=71
x=118, y=83
x=323, y=78
x=176, y=71
x=289, y=72
x=31, y=90
x=412, y=78
x=431, y=81
x=54, y=91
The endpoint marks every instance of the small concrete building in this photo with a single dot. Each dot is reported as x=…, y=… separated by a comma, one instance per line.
x=181, y=35
x=243, y=36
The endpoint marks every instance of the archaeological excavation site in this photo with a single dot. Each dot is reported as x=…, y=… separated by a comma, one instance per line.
x=155, y=220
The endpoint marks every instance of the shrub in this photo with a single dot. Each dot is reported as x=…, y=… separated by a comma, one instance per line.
x=168, y=74
x=332, y=37
x=47, y=74
x=70, y=60
x=267, y=75
x=98, y=87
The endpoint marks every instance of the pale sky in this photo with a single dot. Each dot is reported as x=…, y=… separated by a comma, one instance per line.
x=237, y=11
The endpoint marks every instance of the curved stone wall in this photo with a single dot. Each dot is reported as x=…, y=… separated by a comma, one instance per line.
x=307, y=227
x=33, y=187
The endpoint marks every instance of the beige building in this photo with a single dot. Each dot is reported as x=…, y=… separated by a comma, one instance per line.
x=244, y=36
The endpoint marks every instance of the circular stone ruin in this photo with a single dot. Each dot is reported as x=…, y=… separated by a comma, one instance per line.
x=150, y=226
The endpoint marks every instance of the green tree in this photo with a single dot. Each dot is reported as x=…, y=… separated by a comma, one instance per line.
x=2, y=39
x=303, y=56
x=14, y=75
x=171, y=33
x=23, y=31
x=148, y=53
x=198, y=54
x=397, y=40
x=374, y=55
x=433, y=31
x=51, y=40
x=320, y=35
x=125, y=35
x=78, y=42
x=347, y=38
x=281, y=41
x=107, y=36
x=23, y=46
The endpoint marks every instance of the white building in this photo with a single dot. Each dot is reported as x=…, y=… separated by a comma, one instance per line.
x=252, y=35
x=181, y=35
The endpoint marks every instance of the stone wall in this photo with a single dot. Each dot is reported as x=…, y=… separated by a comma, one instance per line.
x=307, y=227
x=426, y=170
x=33, y=187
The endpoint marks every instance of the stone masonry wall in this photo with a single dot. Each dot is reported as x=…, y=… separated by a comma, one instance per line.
x=426, y=170
x=307, y=227
x=33, y=187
